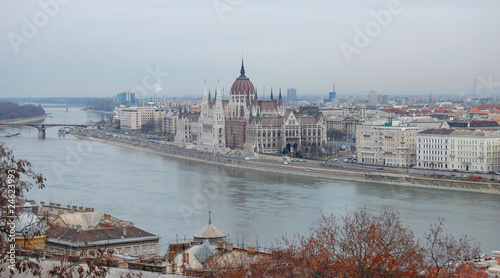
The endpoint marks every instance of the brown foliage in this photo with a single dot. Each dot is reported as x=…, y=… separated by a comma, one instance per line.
x=450, y=257
x=361, y=244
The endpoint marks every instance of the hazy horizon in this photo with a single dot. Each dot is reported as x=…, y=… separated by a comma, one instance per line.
x=70, y=48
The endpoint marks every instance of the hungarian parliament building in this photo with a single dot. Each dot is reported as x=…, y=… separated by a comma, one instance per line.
x=254, y=125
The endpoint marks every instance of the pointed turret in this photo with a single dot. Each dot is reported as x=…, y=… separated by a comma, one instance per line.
x=242, y=71
x=205, y=95
x=218, y=95
x=280, y=101
x=272, y=93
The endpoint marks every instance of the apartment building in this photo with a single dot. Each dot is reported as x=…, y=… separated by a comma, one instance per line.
x=386, y=145
x=433, y=149
x=134, y=118
x=462, y=150
x=477, y=151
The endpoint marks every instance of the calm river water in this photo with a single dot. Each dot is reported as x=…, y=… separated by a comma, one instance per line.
x=171, y=197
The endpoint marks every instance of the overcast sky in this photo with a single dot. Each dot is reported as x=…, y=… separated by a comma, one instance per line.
x=100, y=48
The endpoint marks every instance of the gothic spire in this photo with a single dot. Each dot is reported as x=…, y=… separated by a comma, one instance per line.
x=242, y=71
x=272, y=98
x=280, y=101
x=209, y=216
x=218, y=95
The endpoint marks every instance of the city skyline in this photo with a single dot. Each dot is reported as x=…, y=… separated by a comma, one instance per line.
x=57, y=48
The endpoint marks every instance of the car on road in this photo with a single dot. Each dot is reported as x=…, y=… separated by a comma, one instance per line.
x=380, y=168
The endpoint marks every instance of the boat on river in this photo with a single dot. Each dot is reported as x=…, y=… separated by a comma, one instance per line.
x=12, y=135
x=65, y=130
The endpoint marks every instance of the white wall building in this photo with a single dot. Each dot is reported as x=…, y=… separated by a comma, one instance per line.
x=133, y=118
x=463, y=150
x=476, y=151
x=433, y=149
x=386, y=145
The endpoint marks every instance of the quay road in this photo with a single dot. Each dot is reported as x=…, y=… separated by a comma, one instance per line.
x=342, y=170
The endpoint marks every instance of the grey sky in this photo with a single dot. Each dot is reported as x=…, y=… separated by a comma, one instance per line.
x=100, y=48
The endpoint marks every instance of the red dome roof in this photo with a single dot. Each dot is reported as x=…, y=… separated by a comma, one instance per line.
x=242, y=85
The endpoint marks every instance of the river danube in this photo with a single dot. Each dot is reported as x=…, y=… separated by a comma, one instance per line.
x=171, y=197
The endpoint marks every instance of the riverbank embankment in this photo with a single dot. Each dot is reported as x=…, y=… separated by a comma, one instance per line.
x=25, y=120
x=314, y=170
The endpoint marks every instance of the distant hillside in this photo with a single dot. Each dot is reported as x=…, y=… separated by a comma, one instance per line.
x=12, y=110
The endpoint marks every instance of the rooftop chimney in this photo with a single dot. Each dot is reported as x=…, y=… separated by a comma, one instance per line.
x=251, y=250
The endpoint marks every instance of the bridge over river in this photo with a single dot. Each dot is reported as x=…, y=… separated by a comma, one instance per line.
x=42, y=127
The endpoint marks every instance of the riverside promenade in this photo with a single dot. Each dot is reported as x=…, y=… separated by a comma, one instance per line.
x=274, y=164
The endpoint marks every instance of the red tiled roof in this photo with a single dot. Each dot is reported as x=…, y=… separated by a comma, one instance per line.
x=307, y=120
x=266, y=121
x=477, y=110
x=443, y=111
x=488, y=107
x=268, y=105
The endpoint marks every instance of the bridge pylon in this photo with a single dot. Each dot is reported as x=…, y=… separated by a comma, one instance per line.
x=41, y=132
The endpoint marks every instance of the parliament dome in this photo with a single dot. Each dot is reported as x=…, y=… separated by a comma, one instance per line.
x=242, y=85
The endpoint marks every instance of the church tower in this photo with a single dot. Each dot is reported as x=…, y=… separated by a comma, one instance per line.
x=219, y=131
